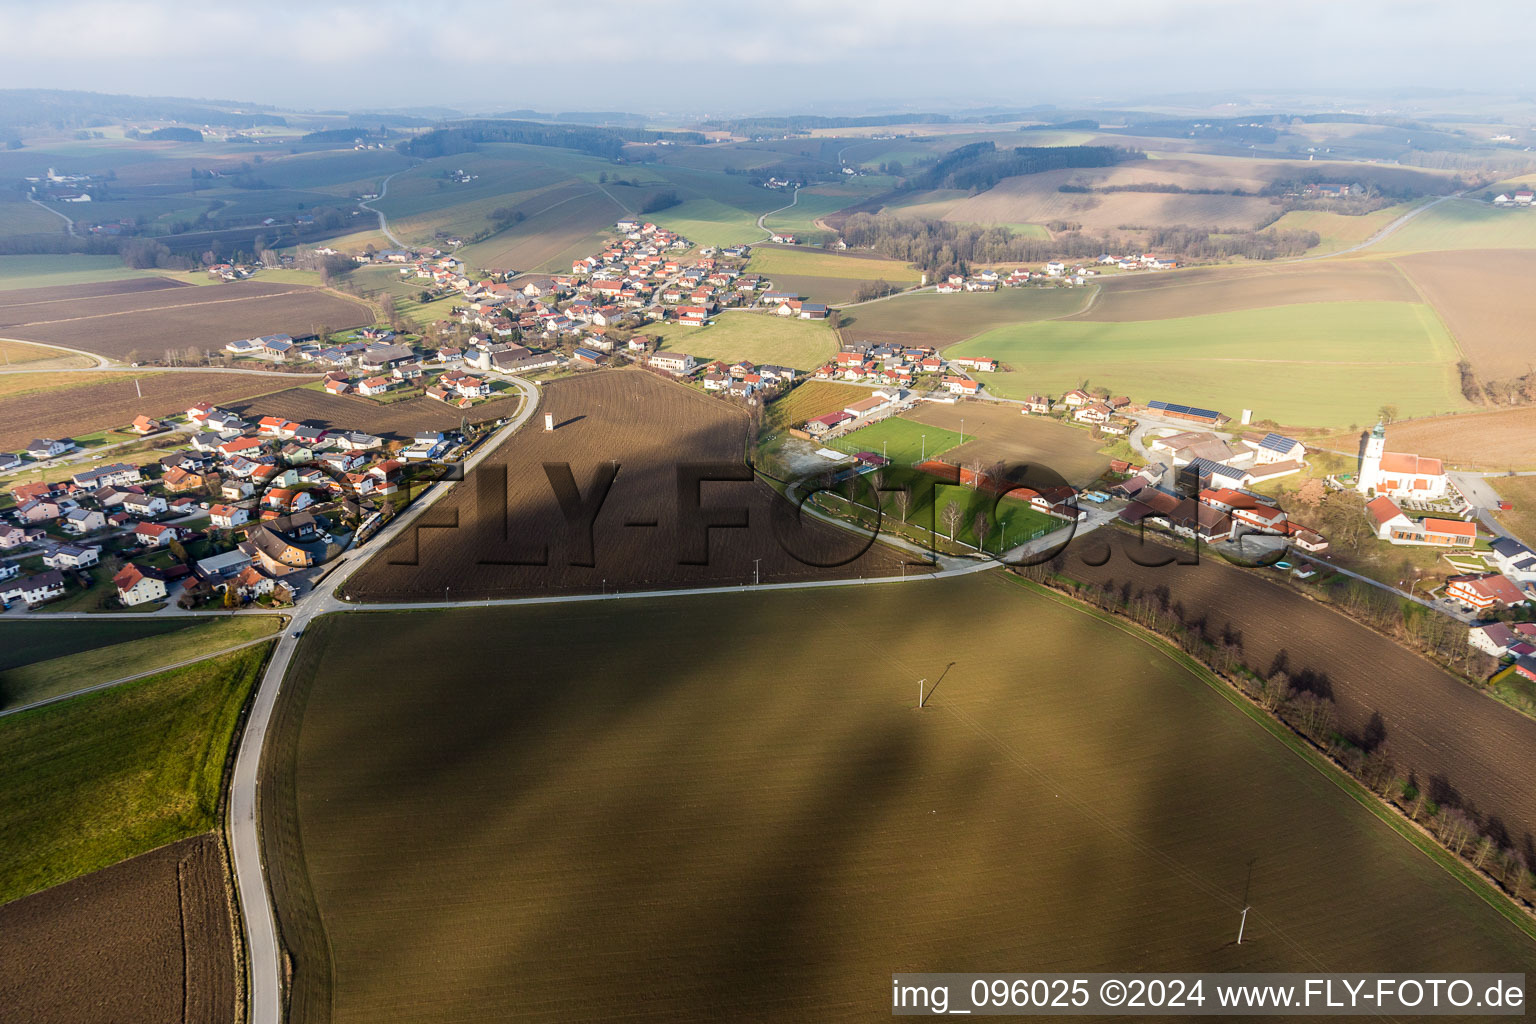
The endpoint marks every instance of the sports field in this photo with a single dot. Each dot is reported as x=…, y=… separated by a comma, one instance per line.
x=1316, y=364
x=997, y=432
x=783, y=832
x=900, y=440
x=759, y=337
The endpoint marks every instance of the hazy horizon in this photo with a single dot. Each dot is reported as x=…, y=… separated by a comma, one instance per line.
x=669, y=58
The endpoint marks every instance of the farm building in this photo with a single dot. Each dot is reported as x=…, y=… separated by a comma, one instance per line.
x=1170, y=410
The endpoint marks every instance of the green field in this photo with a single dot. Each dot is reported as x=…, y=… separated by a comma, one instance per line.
x=79, y=669
x=1315, y=364
x=51, y=270
x=760, y=337
x=26, y=641
x=933, y=319
x=784, y=832
x=1463, y=224
x=769, y=261
x=100, y=778
x=901, y=441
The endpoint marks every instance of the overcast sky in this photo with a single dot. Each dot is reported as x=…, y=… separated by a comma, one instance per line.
x=729, y=57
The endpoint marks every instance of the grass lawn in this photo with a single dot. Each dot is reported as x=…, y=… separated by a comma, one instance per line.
x=901, y=441
x=760, y=337
x=711, y=222
x=1315, y=364
x=1463, y=224
x=45, y=271
x=29, y=640
x=1336, y=230
x=100, y=778
x=811, y=263
x=78, y=670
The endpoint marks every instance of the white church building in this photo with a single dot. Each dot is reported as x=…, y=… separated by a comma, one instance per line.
x=1399, y=475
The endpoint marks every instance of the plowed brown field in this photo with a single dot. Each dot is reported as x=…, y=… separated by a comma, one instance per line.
x=89, y=402
x=1162, y=295
x=649, y=427
x=395, y=420
x=149, y=939
x=1487, y=301
x=1503, y=439
x=150, y=321
x=1453, y=738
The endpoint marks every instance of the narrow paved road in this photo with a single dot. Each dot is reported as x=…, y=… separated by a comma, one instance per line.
x=383, y=223
x=57, y=213
x=263, y=962
x=1378, y=236
x=767, y=233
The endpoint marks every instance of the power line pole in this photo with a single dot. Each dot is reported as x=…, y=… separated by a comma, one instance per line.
x=922, y=685
x=1242, y=925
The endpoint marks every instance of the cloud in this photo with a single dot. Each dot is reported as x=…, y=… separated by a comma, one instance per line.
x=685, y=55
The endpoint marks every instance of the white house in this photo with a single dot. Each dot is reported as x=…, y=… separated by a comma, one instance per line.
x=135, y=586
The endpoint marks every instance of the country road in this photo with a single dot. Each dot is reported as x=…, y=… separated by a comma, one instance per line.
x=1378, y=236
x=69, y=221
x=767, y=233
x=383, y=223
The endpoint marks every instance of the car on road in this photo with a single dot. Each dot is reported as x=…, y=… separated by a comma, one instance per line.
x=295, y=633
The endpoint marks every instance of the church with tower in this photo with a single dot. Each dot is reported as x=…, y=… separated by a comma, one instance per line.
x=1398, y=475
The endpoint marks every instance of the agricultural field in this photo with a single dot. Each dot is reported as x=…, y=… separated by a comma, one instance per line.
x=50, y=271
x=781, y=825
x=83, y=403
x=647, y=426
x=809, y=400
x=26, y=642
x=999, y=433
x=1161, y=295
x=148, y=939
x=78, y=669
x=99, y=778
x=760, y=337
x=1447, y=733
x=1486, y=301
x=1313, y=364
x=817, y=201
x=927, y=318
x=23, y=355
x=1521, y=492
x=825, y=276
x=122, y=323
x=561, y=225
x=392, y=421
x=1463, y=224
x=1337, y=230
x=1493, y=440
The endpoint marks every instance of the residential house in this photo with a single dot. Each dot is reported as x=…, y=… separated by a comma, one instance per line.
x=139, y=585
x=148, y=505
x=1514, y=559
x=155, y=535
x=40, y=448
x=227, y=517
x=72, y=556
x=1485, y=591
x=81, y=521
x=678, y=363
x=118, y=474
x=34, y=590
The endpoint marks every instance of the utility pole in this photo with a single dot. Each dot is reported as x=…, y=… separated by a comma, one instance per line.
x=1242, y=925
x=757, y=573
x=922, y=685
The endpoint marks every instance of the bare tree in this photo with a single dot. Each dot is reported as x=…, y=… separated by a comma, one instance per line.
x=904, y=502
x=982, y=526
x=951, y=515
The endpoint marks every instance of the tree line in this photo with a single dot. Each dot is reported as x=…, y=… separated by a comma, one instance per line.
x=465, y=137
x=981, y=165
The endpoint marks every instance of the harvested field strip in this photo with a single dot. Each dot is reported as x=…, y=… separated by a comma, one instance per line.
x=649, y=428
x=766, y=847
x=1455, y=739
x=30, y=356
x=395, y=420
x=758, y=337
x=149, y=939
x=103, y=777
x=1184, y=293
x=91, y=273
x=91, y=402
x=1487, y=304
x=927, y=318
x=160, y=308
x=76, y=671
x=809, y=400
x=1495, y=440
